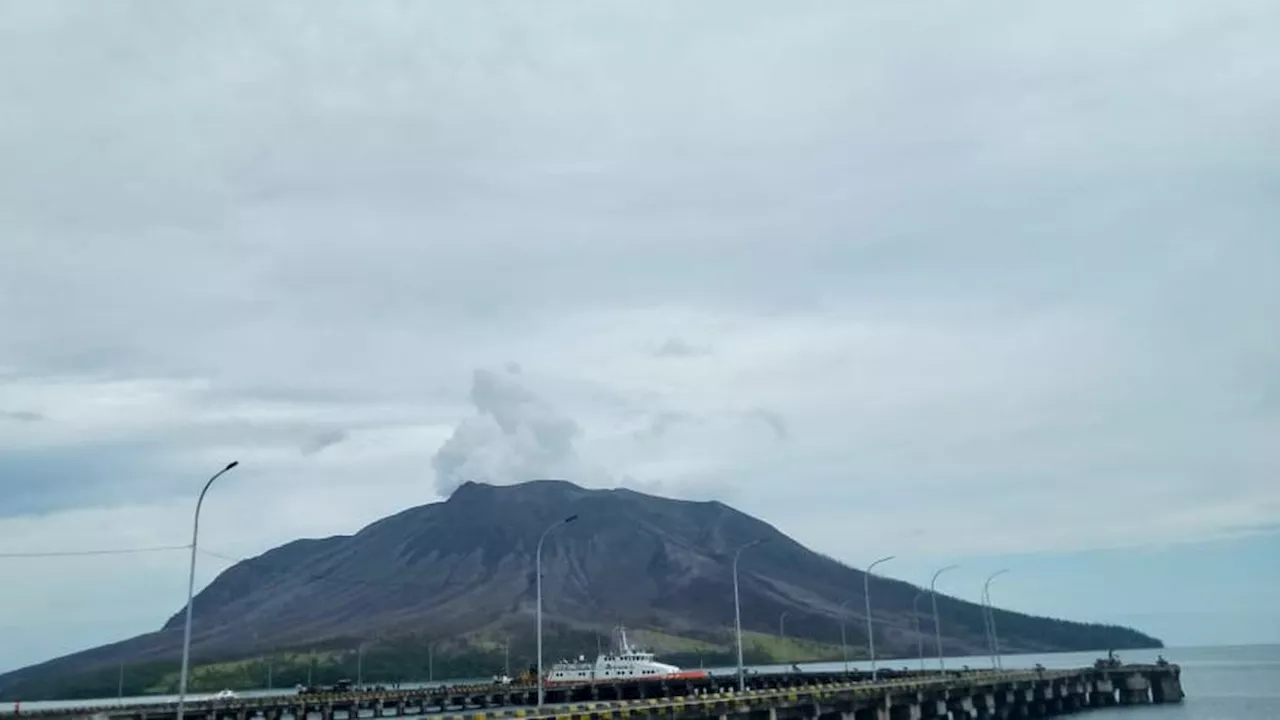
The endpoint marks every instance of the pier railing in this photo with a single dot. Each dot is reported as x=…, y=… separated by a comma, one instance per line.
x=791, y=696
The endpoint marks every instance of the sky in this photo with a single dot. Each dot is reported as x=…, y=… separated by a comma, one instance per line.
x=984, y=283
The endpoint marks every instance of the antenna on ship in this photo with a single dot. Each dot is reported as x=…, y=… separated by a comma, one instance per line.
x=624, y=648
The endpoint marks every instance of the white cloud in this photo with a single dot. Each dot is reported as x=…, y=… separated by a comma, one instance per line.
x=868, y=272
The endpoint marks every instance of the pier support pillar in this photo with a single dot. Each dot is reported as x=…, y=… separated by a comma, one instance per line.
x=1134, y=697
x=1103, y=694
x=962, y=708
x=931, y=708
x=902, y=712
x=984, y=703
x=1136, y=690
x=1167, y=688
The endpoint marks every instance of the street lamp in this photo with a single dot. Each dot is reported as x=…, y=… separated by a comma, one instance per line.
x=844, y=646
x=538, y=570
x=191, y=590
x=915, y=610
x=866, y=594
x=737, y=610
x=937, y=629
x=360, y=664
x=782, y=627
x=991, y=618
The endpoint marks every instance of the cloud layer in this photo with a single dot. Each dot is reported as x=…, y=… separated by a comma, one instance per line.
x=870, y=272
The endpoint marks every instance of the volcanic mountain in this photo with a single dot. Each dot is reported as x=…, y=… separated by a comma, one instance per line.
x=461, y=572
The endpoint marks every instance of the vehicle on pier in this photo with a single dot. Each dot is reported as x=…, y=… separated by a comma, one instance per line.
x=342, y=686
x=622, y=662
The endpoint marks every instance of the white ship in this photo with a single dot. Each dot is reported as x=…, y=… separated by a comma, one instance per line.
x=622, y=662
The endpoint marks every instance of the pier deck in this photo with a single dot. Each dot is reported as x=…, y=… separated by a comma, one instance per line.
x=827, y=696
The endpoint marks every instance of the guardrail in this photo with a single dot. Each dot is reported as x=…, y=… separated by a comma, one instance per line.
x=950, y=679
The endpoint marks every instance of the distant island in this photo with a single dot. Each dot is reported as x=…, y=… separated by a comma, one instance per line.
x=446, y=590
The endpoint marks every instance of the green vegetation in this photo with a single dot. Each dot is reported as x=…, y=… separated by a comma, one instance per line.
x=413, y=659
x=776, y=649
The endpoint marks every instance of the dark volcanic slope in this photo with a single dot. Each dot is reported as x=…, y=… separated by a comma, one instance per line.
x=467, y=564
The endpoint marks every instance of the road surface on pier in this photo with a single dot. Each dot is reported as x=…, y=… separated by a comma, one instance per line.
x=420, y=702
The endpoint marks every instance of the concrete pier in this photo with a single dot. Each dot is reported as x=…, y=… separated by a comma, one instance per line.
x=974, y=695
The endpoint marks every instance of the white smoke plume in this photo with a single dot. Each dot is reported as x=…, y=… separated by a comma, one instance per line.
x=513, y=436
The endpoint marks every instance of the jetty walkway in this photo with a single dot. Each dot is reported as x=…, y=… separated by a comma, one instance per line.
x=793, y=696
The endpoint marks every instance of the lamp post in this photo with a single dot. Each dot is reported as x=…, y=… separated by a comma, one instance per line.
x=866, y=594
x=844, y=646
x=991, y=618
x=986, y=627
x=538, y=571
x=737, y=610
x=191, y=591
x=360, y=664
x=937, y=629
x=782, y=627
x=915, y=610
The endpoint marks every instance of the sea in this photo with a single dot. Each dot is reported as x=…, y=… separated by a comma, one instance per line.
x=1221, y=683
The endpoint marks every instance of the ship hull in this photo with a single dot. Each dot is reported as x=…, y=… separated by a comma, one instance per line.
x=681, y=675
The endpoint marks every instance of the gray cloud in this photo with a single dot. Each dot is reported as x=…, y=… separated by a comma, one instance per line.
x=43, y=480
x=774, y=421
x=662, y=423
x=22, y=416
x=678, y=347
x=698, y=491
x=322, y=440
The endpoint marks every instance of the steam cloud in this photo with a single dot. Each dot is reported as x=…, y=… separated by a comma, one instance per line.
x=513, y=436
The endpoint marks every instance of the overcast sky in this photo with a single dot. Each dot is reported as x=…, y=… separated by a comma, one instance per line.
x=985, y=282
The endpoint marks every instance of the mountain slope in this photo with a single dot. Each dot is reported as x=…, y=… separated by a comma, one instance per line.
x=460, y=571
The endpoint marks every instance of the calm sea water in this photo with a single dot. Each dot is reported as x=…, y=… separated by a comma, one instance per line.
x=1222, y=683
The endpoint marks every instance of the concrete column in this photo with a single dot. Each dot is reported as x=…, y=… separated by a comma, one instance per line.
x=985, y=704
x=1134, y=697
x=1103, y=693
x=901, y=712
x=1135, y=690
x=962, y=708
x=932, y=707
x=1167, y=689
